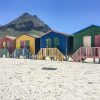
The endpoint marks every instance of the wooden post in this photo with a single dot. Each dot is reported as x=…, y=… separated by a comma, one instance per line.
x=99, y=60
x=94, y=60
x=80, y=55
x=94, y=52
x=91, y=52
x=86, y=52
x=99, y=54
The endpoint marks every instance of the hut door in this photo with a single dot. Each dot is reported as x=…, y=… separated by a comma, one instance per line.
x=8, y=45
x=27, y=44
x=56, y=42
x=87, y=41
x=48, y=43
x=4, y=44
x=97, y=41
x=22, y=44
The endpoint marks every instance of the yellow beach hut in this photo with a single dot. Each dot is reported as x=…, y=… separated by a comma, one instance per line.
x=26, y=44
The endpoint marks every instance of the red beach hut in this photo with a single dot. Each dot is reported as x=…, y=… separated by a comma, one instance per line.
x=7, y=42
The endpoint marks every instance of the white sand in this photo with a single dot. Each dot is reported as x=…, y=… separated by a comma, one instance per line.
x=22, y=79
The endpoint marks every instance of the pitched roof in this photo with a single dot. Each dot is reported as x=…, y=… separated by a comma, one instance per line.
x=27, y=35
x=11, y=37
x=86, y=29
x=55, y=32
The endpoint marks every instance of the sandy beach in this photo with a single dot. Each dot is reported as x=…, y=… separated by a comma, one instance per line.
x=22, y=79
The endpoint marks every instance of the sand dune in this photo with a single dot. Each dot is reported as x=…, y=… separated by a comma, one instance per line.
x=22, y=79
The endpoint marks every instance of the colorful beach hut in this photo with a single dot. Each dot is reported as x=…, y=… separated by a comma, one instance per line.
x=27, y=44
x=55, y=43
x=86, y=44
x=7, y=44
x=85, y=37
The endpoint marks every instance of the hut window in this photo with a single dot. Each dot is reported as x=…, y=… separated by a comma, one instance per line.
x=56, y=42
x=48, y=43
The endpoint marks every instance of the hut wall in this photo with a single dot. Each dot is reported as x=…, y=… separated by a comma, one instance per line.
x=1, y=44
x=70, y=44
x=37, y=45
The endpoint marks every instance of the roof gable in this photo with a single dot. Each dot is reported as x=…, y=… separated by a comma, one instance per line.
x=7, y=38
x=10, y=37
x=87, y=28
x=25, y=35
x=55, y=32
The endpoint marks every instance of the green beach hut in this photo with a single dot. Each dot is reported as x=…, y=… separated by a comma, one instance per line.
x=85, y=37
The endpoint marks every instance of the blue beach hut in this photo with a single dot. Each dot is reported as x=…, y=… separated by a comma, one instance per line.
x=61, y=41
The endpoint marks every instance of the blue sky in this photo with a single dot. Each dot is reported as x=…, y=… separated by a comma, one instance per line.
x=67, y=16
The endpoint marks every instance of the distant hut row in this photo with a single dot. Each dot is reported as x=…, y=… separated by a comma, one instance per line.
x=55, y=45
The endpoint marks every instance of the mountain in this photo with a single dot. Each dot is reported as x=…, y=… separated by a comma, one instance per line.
x=25, y=24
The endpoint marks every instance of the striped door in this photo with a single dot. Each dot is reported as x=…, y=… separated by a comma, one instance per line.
x=87, y=41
